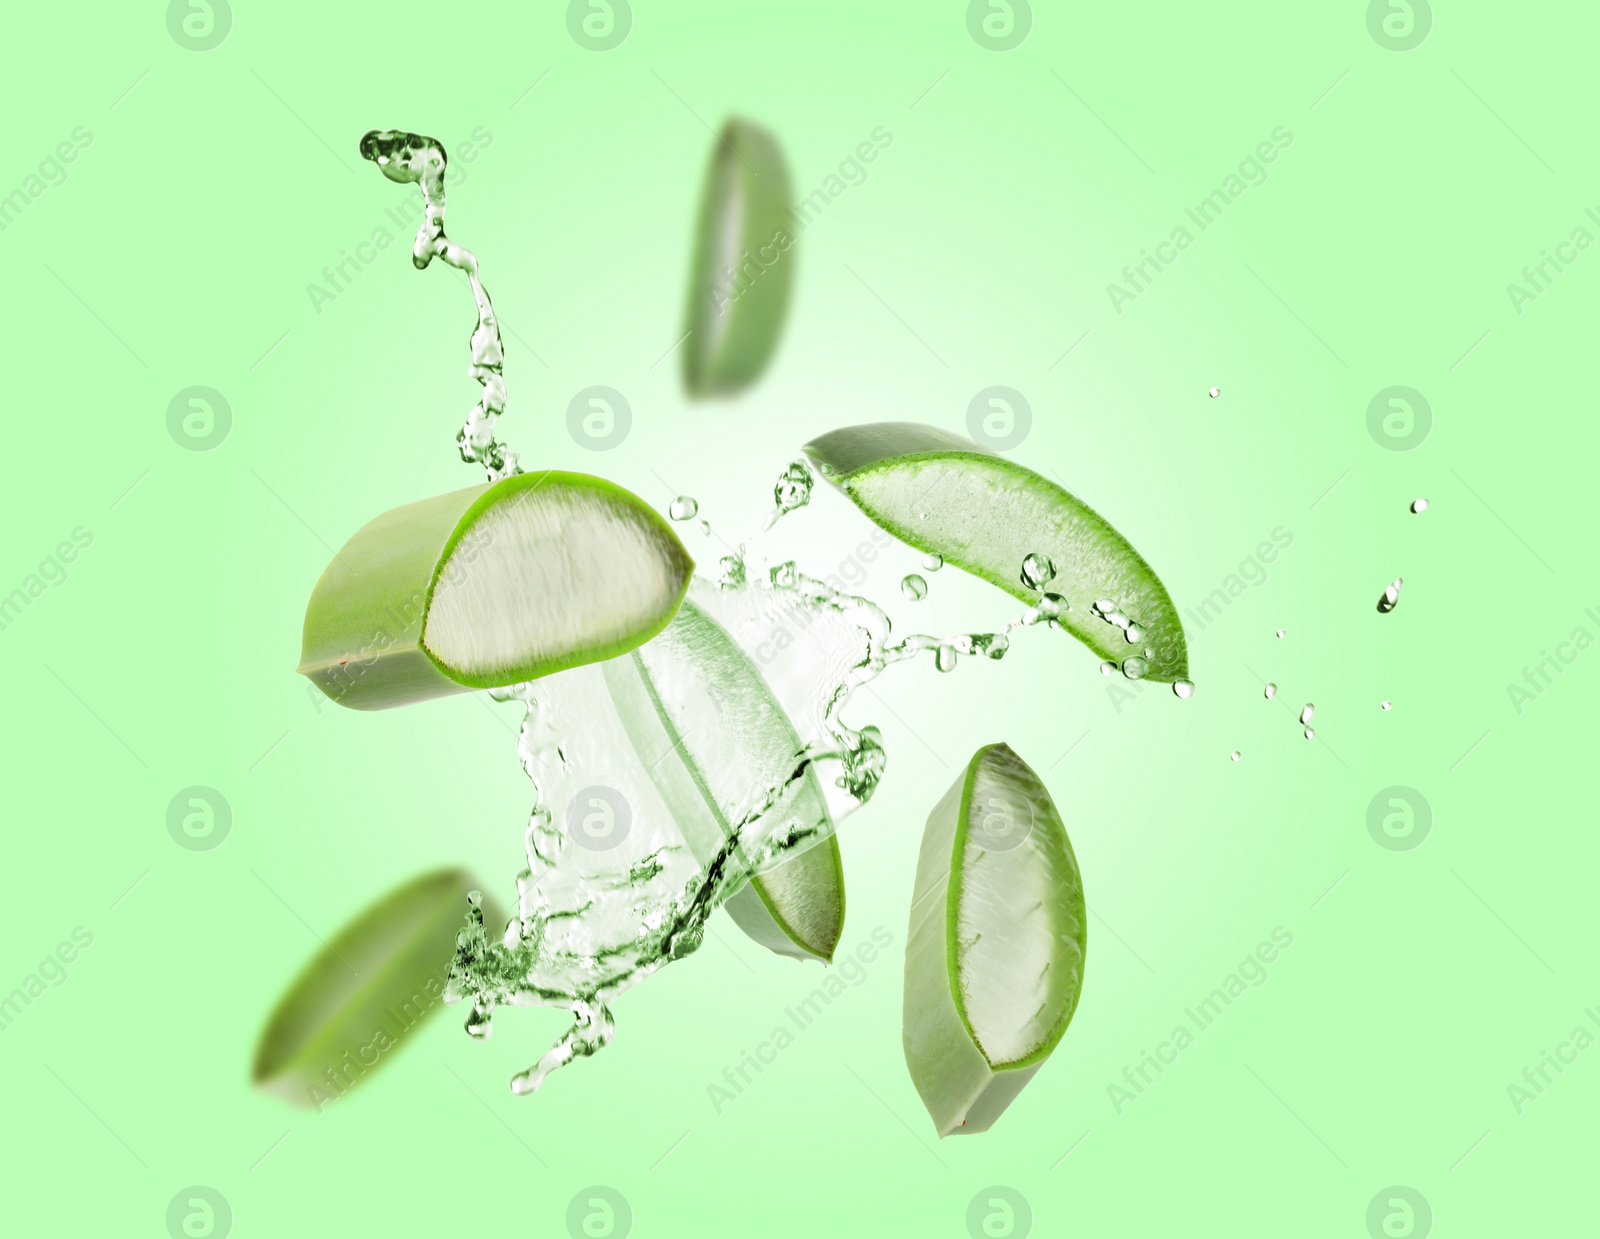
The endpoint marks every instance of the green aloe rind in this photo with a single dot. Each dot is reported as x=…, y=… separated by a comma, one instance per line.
x=743, y=266
x=360, y=997
x=995, y=951
x=580, y=555
x=711, y=733
x=985, y=514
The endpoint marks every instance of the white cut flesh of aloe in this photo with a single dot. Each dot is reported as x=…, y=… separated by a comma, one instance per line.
x=986, y=514
x=995, y=952
x=718, y=746
x=489, y=586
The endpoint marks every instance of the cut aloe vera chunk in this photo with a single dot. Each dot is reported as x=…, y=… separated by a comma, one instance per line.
x=361, y=996
x=718, y=747
x=744, y=258
x=947, y=496
x=488, y=586
x=994, y=956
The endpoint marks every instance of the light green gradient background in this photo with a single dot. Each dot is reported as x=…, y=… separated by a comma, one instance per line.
x=1380, y=1049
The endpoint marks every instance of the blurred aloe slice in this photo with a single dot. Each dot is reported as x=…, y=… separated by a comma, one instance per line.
x=995, y=952
x=488, y=586
x=717, y=744
x=743, y=267
x=360, y=997
x=986, y=514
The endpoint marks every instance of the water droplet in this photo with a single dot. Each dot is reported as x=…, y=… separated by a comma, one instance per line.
x=945, y=659
x=914, y=587
x=1133, y=632
x=1305, y=714
x=1280, y=634
x=1184, y=688
x=792, y=490
x=1235, y=754
x=1388, y=705
x=1108, y=668
x=1214, y=392
x=1271, y=691
x=683, y=508
x=1051, y=606
x=1391, y=595
x=1310, y=735
x=993, y=644
x=1419, y=505
x=705, y=529
x=1134, y=667
x=1037, y=570
x=932, y=563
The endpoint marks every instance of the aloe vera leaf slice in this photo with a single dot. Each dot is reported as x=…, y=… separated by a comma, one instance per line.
x=995, y=951
x=488, y=586
x=359, y=997
x=714, y=739
x=985, y=514
x=743, y=266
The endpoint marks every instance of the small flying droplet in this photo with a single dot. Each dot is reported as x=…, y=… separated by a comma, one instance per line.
x=1051, y=606
x=945, y=658
x=683, y=508
x=1134, y=667
x=1214, y=392
x=914, y=587
x=1271, y=691
x=1388, y=705
x=1108, y=668
x=1183, y=688
x=1280, y=634
x=1305, y=714
x=1037, y=570
x=1391, y=595
x=1235, y=754
x=932, y=563
x=1419, y=505
x=1310, y=735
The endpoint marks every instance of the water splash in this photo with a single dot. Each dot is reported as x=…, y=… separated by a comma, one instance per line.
x=619, y=880
x=412, y=159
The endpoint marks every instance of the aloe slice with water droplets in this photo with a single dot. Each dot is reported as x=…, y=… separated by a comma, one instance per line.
x=986, y=514
x=995, y=952
x=743, y=265
x=360, y=996
x=717, y=743
x=488, y=586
